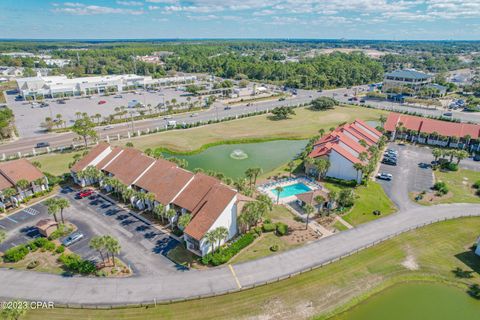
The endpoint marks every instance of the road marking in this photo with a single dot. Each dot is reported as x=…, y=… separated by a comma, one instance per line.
x=235, y=276
x=3, y=227
x=31, y=211
x=11, y=219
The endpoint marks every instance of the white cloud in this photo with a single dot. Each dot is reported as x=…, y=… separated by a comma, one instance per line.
x=130, y=3
x=76, y=8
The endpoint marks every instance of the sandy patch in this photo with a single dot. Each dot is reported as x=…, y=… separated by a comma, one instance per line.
x=410, y=261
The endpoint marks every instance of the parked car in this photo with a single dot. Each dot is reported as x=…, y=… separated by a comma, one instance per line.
x=71, y=239
x=194, y=115
x=227, y=108
x=384, y=176
x=42, y=145
x=391, y=151
x=167, y=117
x=448, y=114
x=107, y=127
x=85, y=193
x=61, y=102
x=362, y=101
x=102, y=102
x=389, y=161
x=118, y=96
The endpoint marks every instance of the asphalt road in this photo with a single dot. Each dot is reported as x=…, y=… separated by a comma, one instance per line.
x=189, y=284
x=217, y=111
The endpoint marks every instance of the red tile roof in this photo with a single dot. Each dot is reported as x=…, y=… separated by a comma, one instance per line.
x=195, y=191
x=129, y=165
x=344, y=153
x=16, y=170
x=368, y=127
x=209, y=208
x=91, y=156
x=165, y=180
x=425, y=125
x=115, y=152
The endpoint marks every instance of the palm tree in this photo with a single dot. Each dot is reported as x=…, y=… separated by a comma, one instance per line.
x=265, y=201
x=9, y=193
x=3, y=236
x=22, y=185
x=113, y=247
x=62, y=203
x=159, y=211
x=322, y=166
x=278, y=190
x=308, y=208
x=320, y=200
x=211, y=238
x=436, y=153
x=291, y=166
x=98, y=243
x=150, y=197
x=127, y=194
x=382, y=119
x=321, y=132
x=249, y=173
x=184, y=220
x=170, y=214
x=52, y=210
x=256, y=172
x=221, y=233
x=460, y=155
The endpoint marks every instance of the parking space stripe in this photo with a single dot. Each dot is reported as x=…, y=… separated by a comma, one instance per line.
x=11, y=219
x=3, y=227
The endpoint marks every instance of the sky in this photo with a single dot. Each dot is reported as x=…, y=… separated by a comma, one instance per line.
x=319, y=19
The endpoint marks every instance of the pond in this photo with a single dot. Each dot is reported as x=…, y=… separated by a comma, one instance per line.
x=416, y=301
x=234, y=159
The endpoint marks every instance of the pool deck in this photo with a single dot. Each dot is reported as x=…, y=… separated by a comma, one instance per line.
x=269, y=188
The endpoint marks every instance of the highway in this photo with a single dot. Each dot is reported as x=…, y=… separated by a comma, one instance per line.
x=218, y=111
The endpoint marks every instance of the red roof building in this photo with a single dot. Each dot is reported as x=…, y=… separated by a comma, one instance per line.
x=429, y=126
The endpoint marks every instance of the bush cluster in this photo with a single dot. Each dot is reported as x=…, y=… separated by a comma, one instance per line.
x=269, y=227
x=16, y=254
x=282, y=229
x=450, y=166
x=74, y=263
x=476, y=185
x=441, y=188
x=224, y=254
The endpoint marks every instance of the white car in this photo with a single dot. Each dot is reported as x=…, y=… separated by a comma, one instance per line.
x=384, y=176
x=107, y=127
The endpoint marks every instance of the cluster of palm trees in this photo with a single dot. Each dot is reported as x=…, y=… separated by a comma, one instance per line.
x=160, y=212
x=368, y=162
x=216, y=236
x=450, y=153
x=254, y=211
x=20, y=188
x=57, y=205
x=107, y=245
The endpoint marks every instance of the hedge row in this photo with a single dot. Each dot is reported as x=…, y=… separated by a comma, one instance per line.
x=74, y=263
x=19, y=252
x=223, y=255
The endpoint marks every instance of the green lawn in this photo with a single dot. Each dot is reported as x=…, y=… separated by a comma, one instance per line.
x=460, y=184
x=261, y=248
x=369, y=198
x=55, y=164
x=339, y=226
x=437, y=249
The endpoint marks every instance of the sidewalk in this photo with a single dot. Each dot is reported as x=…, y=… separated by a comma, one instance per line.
x=345, y=223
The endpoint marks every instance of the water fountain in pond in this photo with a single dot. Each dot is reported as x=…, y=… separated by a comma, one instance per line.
x=238, y=154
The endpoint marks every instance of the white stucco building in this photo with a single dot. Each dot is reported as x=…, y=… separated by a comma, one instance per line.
x=343, y=148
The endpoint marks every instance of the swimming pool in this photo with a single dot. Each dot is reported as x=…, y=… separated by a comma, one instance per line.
x=293, y=189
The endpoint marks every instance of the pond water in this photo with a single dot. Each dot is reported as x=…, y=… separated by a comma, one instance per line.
x=416, y=301
x=234, y=159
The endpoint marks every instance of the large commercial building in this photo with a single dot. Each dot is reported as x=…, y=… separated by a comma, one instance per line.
x=399, y=79
x=61, y=86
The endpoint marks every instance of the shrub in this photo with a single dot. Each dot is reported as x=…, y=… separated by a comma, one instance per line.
x=258, y=230
x=74, y=263
x=450, y=166
x=476, y=185
x=60, y=249
x=62, y=231
x=282, y=229
x=16, y=254
x=224, y=254
x=441, y=188
x=33, y=264
x=274, y=248
x=269, y=227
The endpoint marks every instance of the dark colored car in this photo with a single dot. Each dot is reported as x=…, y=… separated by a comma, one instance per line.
x=102, y=102
x=389, y=161
x=42, y=145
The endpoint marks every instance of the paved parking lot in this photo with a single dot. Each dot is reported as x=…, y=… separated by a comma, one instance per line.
x=144, y=248
x=411, y=174
x=28, y=119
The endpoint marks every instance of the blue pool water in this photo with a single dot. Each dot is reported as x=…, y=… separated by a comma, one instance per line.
x=292, y=190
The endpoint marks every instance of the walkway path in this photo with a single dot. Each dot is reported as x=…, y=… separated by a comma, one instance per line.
x=345, y=223
x=194, y=283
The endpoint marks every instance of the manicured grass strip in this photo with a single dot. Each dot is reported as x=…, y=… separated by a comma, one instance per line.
x=437, y=249
x=460, y=184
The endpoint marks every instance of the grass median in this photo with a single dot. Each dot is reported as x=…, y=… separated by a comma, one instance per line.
x=432, y=253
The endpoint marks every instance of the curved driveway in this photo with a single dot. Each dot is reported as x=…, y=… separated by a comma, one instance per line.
x=194, y=283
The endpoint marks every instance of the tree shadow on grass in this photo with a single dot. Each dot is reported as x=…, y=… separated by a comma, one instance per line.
x=470, y=259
